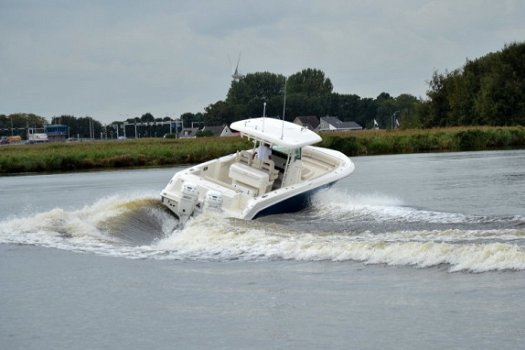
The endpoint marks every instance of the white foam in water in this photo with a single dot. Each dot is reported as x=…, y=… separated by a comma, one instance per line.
x=216, y=239
x=211, y=237
x=341, y=204
x=78, y=230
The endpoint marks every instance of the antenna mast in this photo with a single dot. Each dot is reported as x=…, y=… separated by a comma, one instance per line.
x=284, y=107
x=264, y=115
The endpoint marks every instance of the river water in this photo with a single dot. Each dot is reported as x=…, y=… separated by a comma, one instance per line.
x=409, y=252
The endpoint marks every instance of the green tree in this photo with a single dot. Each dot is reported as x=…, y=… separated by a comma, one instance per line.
x=17, y=123
x=247, y=95
x=385, y=107
x=502, y=87
x=147, y=118
x=438, y=107
x=309, y=82
x=71, y=122
x=308, y=93
x=488, y=90
x=262, y=86
x=346, y=107
x=408, y=115
x=219, y=113
x=189, y=118
x=23, y=120
x=82, y=127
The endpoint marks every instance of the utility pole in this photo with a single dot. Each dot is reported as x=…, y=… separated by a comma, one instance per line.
x=90, y=128
x=392, y=119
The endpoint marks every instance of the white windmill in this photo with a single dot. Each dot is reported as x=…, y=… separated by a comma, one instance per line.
x=236, y=75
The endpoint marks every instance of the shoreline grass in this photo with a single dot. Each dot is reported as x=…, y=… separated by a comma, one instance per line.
x=455, y=139
x=57, y=157
x=62, y=157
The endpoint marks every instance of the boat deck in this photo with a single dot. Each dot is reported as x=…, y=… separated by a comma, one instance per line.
x=246, y=174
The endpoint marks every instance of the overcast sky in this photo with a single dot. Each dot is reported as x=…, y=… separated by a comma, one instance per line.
x=118, y=59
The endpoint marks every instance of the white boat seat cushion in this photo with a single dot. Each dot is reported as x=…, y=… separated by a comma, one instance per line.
x=245, y=174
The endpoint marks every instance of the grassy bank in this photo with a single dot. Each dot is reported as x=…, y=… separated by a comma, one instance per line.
x=113, y=154
x=160, y=152
x=373, y=142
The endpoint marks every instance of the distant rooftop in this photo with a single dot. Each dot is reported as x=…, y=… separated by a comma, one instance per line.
x=334, y=123
x=310, y=121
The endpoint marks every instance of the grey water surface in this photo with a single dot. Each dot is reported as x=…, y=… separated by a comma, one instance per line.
x=421, y=251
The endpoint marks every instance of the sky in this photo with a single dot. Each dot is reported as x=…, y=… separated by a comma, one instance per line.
x=117, y=59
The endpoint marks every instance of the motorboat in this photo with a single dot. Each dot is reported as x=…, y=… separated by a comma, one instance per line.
x=251, y=183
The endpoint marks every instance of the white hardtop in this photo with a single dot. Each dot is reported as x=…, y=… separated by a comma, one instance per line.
x=276, y=132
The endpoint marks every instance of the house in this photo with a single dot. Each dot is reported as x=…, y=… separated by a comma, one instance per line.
x=334, y=124
x=310, y=122
x=188, y=133
x=221, y=131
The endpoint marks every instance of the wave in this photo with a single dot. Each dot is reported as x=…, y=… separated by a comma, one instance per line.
x=211, y=238
x=112, y=222
x=341, y=205
x=140, y=227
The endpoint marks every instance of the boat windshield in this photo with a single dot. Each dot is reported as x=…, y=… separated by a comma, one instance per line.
x=295, y=152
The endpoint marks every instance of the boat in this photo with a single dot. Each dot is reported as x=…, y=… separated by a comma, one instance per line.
x=248, y=185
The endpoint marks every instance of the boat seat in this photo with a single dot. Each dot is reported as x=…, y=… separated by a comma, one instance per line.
x=244, y=174
x=269, y=166
x=245, y=157
x=266, y=165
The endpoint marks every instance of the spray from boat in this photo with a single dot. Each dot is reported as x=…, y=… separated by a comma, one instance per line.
x=139, y=227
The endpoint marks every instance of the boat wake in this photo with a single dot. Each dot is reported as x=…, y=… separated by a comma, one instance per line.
x=372, y=229
x=358, y=213
x=110, y=226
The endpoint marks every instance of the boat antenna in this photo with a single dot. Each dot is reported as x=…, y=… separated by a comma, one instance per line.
x=284, y=107
x=264, y=115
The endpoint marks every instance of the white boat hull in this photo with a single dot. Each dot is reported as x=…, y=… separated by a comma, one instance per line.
x=235, y=189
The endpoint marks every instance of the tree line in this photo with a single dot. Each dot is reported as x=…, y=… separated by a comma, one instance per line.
x=486, y=91
x=19, y=123
x=308, y=92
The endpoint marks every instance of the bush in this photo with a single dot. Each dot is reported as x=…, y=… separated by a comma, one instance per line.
x=472, y=140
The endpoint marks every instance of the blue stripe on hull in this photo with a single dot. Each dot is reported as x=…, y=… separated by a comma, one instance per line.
x=289, y=205
x=292, y=204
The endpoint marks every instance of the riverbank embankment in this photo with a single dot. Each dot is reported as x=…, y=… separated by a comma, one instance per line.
x=111, y=154
x=457, y=139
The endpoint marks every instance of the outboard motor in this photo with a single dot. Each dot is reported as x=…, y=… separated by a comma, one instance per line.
x=213, y=201
x=190, y=196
